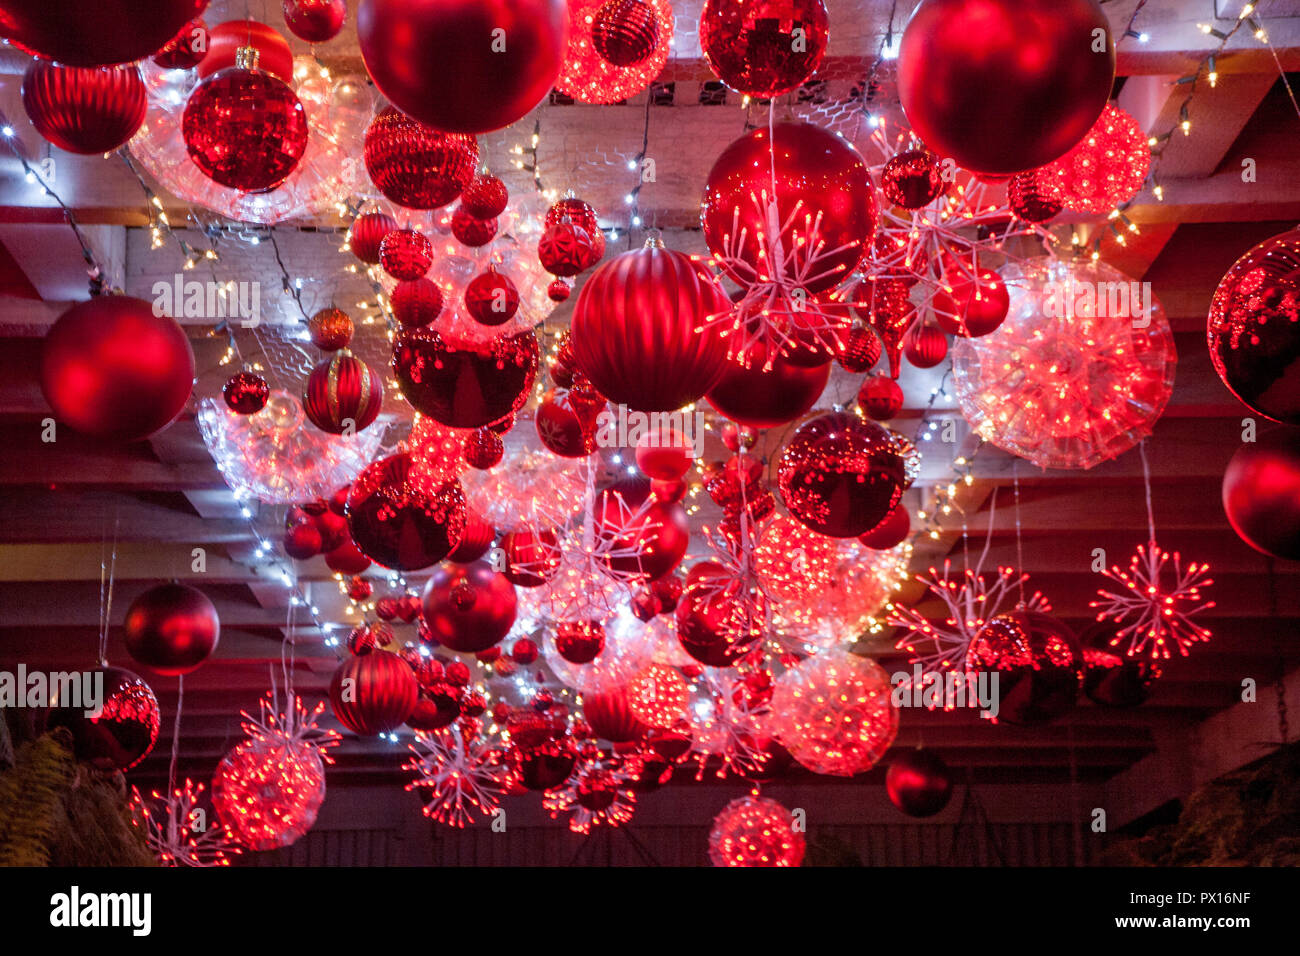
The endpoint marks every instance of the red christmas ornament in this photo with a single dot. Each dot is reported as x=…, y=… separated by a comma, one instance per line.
x=841, y=476
x=113, y=369
x=532, y=558
x=1105, y=169
x=316, y=21
x=343, y=395
x=187, y=49
x=403, y=518
x=474, y=541
x=615, y=48
x=919, y=783
x=469, y=385
x=386, y=608
x=610, y=718
x=124, y=731
x=579, y=642
x=361, y=640
x=406, y=254
x=717, y=621
x=245, y=393
x=416, y=303
x=760, y=397
x=491, y=298
x=764, y=48
x=1030, y=197
x=367, y=233
x=267, y=792
x=891, y=532
x=333, y=528
x=880, y=397
x=663, y=453
x=171, y=629
x=225, y=40
x=625, y=32
x=75, y=33
x=1261, y=493
x=484, y=449
x=649, y=539
x=565, y=249
x=581, y=214
x=303, y=541
x=1004, y=85
x=973, y=308
x=469, y=608
x=330, y=329
x=486, y=197
x=559, y=291
x=886, y=306
x=545, y=766
x=374, y=693
x=913, y=179
x=472, y=231
x=346, y=559
x=925, y=345
x=1039, y=663
x=359, y=589
x=566, y=423
x=861, y=350
x=84, y=110
x=415, y=166
x=408, y=605
x=444, y=62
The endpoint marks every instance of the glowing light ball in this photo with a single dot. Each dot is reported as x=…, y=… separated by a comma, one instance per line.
x=1105, y=169
x=126, y=730
x=755, y=831
x=833, y=712
x=77, y=33
x=1077, y=374
x=268, y=793
x=764, y=48
x=81, y=109
x=658, y=696
x=624, y=28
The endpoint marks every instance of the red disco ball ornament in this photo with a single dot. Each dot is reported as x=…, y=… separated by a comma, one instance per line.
x=245, y=129
x=1031, y=197
x=565, y=249
x=581, y=214
x=316, y=21
x=862, y=350
x=126, y=728
x=403, y=518
x=373, y=693
x=610, y=717
x=822, y=185
x=637, y=333
x=267, y=792
x=579, y=642
x=913, y=179
x=1039, y=663
x=925, y=345
x=416, y=303
x=625, y=32
x=891, y=532
x=469, y=608
x=343, y=395
x=416, y=166
x=76, y=33
x=755, y=831
x=113, y=369
x=171, y=629
x=841, y=476
x=406, y=254
x=1261, y=494
x=472, y=231
x=639, y=32
x=225, y=40
x=919, y=783
x=245, y=393
x=469, y=385
x=566, y=423
x=1002, y=86
x=764, y=48
x=491, y=298
x=974, y=307
x=1105, y=169
x=465, y=66
x=187, y=49
x=484, y=449
x=367, y=233
x=84, y=110
x=880, y=397
x=759, y=397
x=486, y=197
x=330, y=329
x=1254, y=328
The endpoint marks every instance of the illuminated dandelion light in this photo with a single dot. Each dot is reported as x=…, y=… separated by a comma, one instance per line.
x=179, y=830
x=459, y=773
x=1156, y=603
x=598, y=794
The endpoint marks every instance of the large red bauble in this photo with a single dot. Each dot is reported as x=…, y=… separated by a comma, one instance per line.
x=367, y=234
x=84, y=110
x=1001, y=86
x=651, y=538
x=566, y=423
x=125, y=730
x=763, y=398
x=893, y=531
x=609, y=717
x=1254, y=328
x=842, y=476
x=468, y=385
x=465, y=66
x=716, y=624
x=764, y=48
x=171, y=629
x=225, y=40
x=475, y=540
x=486, y=197
x=406, y=254
x=637, y=333
x=1039, y=663
x=1261, y=493
x=315, y=21
x=187, y=49
x=579, y=642
x=817, y=174
x=374, y=693
x=416, y=166
x=77, y=33
x=343, y=395
x=112, y=368
x=402, y=517
x=974, y=308
x=919, y=783
x=546, y=766
x=469, y=608
x=416, y=303
x=491, y=298
x=245, y=129
x=581, y=214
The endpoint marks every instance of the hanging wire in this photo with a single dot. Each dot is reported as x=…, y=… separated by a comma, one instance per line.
x=1279, y=685
x=1020, y=552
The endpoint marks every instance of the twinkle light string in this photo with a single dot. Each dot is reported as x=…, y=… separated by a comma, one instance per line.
x=160, y=224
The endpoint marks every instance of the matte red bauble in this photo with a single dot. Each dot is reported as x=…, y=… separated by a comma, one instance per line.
x=245, y=393
x=637, y=333
x=406, y=254
x=475, y=540
x=225, y=40
x=347, y=559
x=565, y=249
x=402, y=517
x=764, y=48
x=974, y=308
x=759, y=397
x=187, y=49
x=566, y=423
x=1039, y=663
x=416, y=303
x=1030, y=198
x=532, y=557
x=919, y=783
x=245, y=129
x=652, y=540
x=841, y=476
x=77, y=33
x=330, y=329
x=880, y=397
x=469, y=385
x=861, y=350
x=892, y=532
x=112, y=368
x=84, y=110
x=171, y=629
x=1261, y=493
x=303, y=541
x=125, y=730
x=373, y=693
x=486, y=197
x=625, y=32
x=609, y=717
x=367, y=233
x=316, y=21
x=663, y=454
x=1254, y=328
x=491, y=298
x=913, y=179
x=469, y=608
x=1002, y=86
x=581, y=214
x=466, y=66
x=416, y=166
x=343, y=395
x=925, y=345
x=484, y=449
x=579, y=642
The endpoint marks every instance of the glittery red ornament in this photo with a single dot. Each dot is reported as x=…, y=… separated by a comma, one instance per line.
x=374, y=693
x=187, y=49
x=891, y=532
x=484, y=449
x=919, y=783
x=343, y=395
x=625, y=32
x=84, y=110
x=402, y=517
x=764, y=48
x=1030, y=197
x=566, y=423
x=579, y=642
x=925, y=345
x=861, y=350
x=77, y=33
x=975, y=307
x=124, y=731
x=491, y=298
x=330, y=329
x=486, y=197
x=913, y=179
x=225, y=40
x=472, y=231
x=559, y=291
x=469, y=608
x=1105, y=169
x=416, y=303
x=386, y=608
x=171, y=629
x=316, y=21
x=467, y=385
x=581, y=214
x=564, y=249
x=885, y=305
x=406, y=254
x=246, y=393
x=415, y=166
x=532, y=557
x=368, y=233
x=880, y=397
x=760, y=397
x=1039, y=662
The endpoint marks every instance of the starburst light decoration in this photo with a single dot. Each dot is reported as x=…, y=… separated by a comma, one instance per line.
x=1157, y=600
x=459, y=773
x=179, y=830
x=598, y=794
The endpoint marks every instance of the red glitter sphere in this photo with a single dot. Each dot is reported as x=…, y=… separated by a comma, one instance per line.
x=615, y=49
x=484, y=449
x=880, y=397
x=469, y=608
x=486, y=197
x=579, y=642
x=583, y=215
x=559, y=291
x=925, y=345
x=625, y=32
x=472, y=231
x=406, y=254
x=913, y=179
x=416, y=303
x=565, y=249
x=343, y=395
x=416, y=166
x=1031, y=198
x=330, y=329
x=367, y=233
x=187, y=49
x=1105, y=169
x=492, y=298
x=403, y=518
x=764, y=48
x=84, y=110
x=465, y=385
x=373, y=693
x=316, y=21
x=861, y=350
x=245, y=393
x=124, y=731
x=755, y=831
x=267, y=792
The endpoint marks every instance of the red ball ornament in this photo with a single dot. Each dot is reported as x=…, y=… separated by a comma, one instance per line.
x=658, y=696
x=581, y=214
x=913, y=179
x=469, y=385
x=1039, y=663
x=359, y=589
x=649, y=539
x=486, y=197
x=925, y=345
x=86, y=110
x=559, y=291
x=403, y=518
x=472, y=231
x=532, y=558
x=406, y=254
x=1002, y=86
x=187, y=49
x=841, y=476
x=616, y=48
x=416, y=166
x=1261, y=493
x=267, y=793
x=484, y=449
x=113, y=369
x=333, y=528
x=374, y=693
x=330, y=329
x=408, y=605
x=245, y=393
x=171, y=629
x=579, y=642
x=225, y=40
x=77, y=33
x=880, y=397
x=524, y=651
x=347, y=559
x=565, y=249
x=546, y=766
x=610, y=718
x=316, y=21
x=663, y=454
x=469, y=608
x=973, y=308
x=891, y=532
x=1105, y=169
x=126, y=728
x=492, y=298
x=416, y=303
x=759, y=397
x=474, y=541
x=764, y=48
x=444, y=62
x=343, y=395
x=362, y=640
x=861, y=350
x=625, y=32
x=386, y=608
x=566, y=424
x=919, y=783
x=717, y=623
x=303, y=541
x=368, y=233
x=755, y=831
x=1030, y=197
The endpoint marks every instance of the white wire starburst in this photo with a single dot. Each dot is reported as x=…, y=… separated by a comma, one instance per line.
x=177, y=827
x=460, y=772
x=598, y=794
x=1156, y=603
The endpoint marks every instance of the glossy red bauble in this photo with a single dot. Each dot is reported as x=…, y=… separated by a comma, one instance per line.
x=925, y=345
x=112, y=368
x=84, y=110
x=565, y=249
x=469, y=608
x=880, y=397
x=491, y=298
x=764, y=48
x=347, y=559
x=187, y=49
x=343, y=395
x=1002, y=86
x=891, y=532
x=77, y=33
x=759, y=397
x=1261, y=493
x=368, y=233
x=403, y=518
x=649, y=538
x=486, y=197
x=484, y=449
x=567, y=422
x=531, y=557
x=581, y=214
x=125, y=730
x=545, y=766
x=303, y=541
x=974, y=308
x=316, y=21
x=171, y=629
x=663, y=454
x=919, y=783
x=245, y=393
x=625, y=32
x=416, y=166
x=415, y=304
x=717, y=624
x=913, y=179
x=373, y=693
x=466, y=66
x=475, y=540
x=468, y=385
x=406, y=254
x=472, y=231
x=330, y=329
x=225, y=40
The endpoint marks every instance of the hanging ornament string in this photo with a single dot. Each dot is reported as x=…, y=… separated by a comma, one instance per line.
x=1020, y=552
x=176, y=734
x=107, y=576
x=1146, y=483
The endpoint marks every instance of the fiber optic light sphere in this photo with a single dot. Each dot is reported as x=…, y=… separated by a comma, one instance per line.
x=1002, y=86
x=755, y=831
x=1261, y=493
x=268, y=792
x=373, y=693
x=171, y=629
x=465, y=385
x=1254, y=328
x=1105, y=169
x=402, y=518
x=416, y=166
x=1076, y=374
x=833, y=712
x=77, y=33
x=764, y=48
x=638, y=31
x=126, y=730
x=445, y=62
x=86, y=110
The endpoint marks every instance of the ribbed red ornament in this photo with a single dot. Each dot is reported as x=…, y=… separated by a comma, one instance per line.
x=486, y=197
x=416, y=166
x=403, y=517
x=315, y=21
x=373, y=693
x=1031, y=198
x=625, y=32
x=861, y=350
x=471, y=231
x=406, y=254
x=475, y=540
x=491, y=298
x=581, y=213
x=187, y=49
x=79, y=33
x=880, y=397
x=610, y=718
x=465, y=385
x=84, y=110
x=925, y=345
x=330, y=329
x=637, y=329
x=416, y=303
x=343, y=395
x=564, y=249
x=367, y=233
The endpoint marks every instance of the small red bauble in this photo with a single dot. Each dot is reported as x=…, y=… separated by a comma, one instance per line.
x=663, y=454
x=764, y=48
x=891, y=532
x=225, y=40
x=566, y=423
x=524, y=651
x=361, y=640
x=565, y=249
x=925, y=345
x=759, y=397
x=246, y=393
x=368, y=233
x=330, y=329
x=581, y=214
x=919, y=783
x=625, y=32
x=492, y=298
x=84, y=110
x=373, y=693
x=408, y=605
x=486, y=197
x=559, y=291
x=471, y=230
x=415, y=166
x=77, y=33
x=303, y=541
x=579, y=642
x=861, y=350
x=406, y=254
x=484, y=449
x=880, y=397
x=532, y=557
x=124, y=731
x=187, y=49
x=1031, y=198
x=359, y=589
x=974, y=308
x=913, y=179
x=343, y=395
x=386, y=608
x=333, y=529
x=346, y=559
x=315, y=21
x=402, y=518
x=465, y=386
x=171, y=629
x=469, y=608
x=416, y=303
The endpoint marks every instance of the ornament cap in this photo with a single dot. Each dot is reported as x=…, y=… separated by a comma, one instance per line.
x=655, y=241
x=248, y=57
